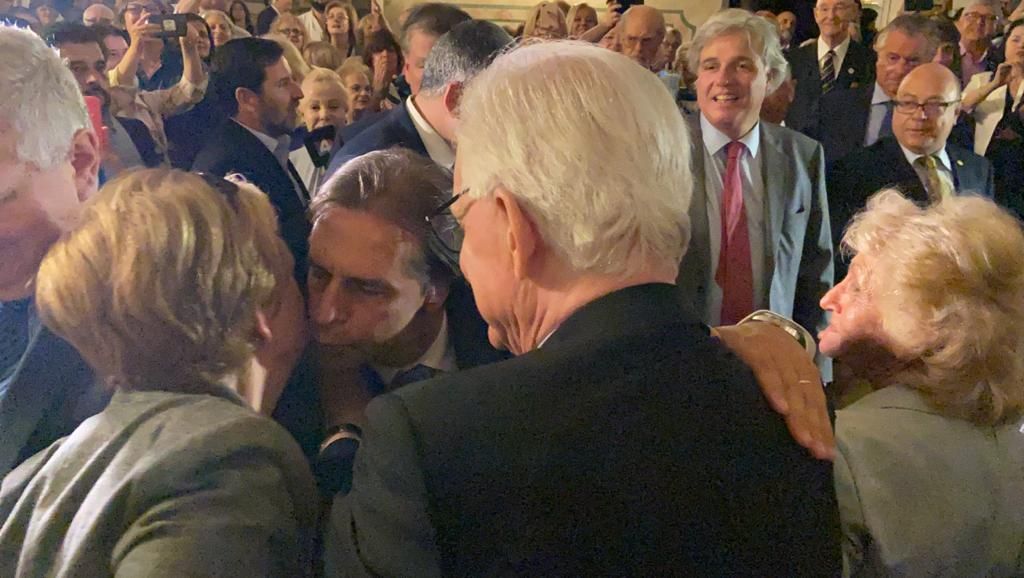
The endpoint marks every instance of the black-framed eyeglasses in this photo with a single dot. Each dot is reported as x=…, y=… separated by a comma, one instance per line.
x=929, y=108
x=222, y=186
x=444, y=226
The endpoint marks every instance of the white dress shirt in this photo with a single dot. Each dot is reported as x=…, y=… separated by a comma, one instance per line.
x=314, y=31
x=715, y=159
x=878, y=101
x=840, y=54
x=439, y=355
x=944, y=167
x=437, y=147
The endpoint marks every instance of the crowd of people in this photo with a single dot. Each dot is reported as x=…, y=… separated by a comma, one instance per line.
x=302, y=292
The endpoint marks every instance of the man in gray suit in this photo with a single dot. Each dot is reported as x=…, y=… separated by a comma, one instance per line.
x=761, y=184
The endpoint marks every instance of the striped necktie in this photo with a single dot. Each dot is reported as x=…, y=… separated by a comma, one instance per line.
x=938, y=187
x=828, y=72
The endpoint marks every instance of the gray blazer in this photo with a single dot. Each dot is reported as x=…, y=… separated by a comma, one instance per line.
x=798, y=268
x=921, y=494
x=162, y=484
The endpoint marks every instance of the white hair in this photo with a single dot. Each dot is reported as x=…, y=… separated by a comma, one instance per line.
x=592, y=145
x=39, y=98
x=762, y=35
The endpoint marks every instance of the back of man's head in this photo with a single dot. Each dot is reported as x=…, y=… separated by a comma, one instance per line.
x=913, y=24
x=434, y=19
x=461, y=54
x=241, y=63
x=39, y=99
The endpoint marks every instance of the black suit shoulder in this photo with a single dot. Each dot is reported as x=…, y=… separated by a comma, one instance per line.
x=395, y=129
x=265, y=20
x=649, y=453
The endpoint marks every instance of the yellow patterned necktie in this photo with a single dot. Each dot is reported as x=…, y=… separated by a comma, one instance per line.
x=938, y=187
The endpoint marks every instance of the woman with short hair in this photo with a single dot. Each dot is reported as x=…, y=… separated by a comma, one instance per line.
x=178, y=292
x=929, y=470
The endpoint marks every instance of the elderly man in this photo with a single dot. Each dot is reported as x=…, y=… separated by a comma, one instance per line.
x=918, y=160
x=641, y=31
x=426, y=122
x=49, y=164
x=977, y=24
x=98, y=14
x=832, y=62
x=786, y=21
x=621, y=440
x=760, y=230
x=859, y=117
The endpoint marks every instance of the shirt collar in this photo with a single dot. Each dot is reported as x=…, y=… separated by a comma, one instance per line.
x=438, y=356
x=941, y=156
x=879, y=96
x=963, y=52
x=715, y=140
x=439, y=150
x=840, y=49
x=279, y=147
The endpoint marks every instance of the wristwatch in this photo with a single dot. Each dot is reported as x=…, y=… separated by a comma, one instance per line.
x=794, y=329
x=339, y=432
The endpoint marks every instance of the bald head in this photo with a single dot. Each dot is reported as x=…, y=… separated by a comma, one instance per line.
x=98, y=14
x=641, y=32
x=928, y=102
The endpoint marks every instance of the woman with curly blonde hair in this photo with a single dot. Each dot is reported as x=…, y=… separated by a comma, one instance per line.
x=930, y=467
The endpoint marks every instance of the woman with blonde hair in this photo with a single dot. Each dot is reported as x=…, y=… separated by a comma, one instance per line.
x=929, y=465
x=581, y=17
x=355, y=76
x=546, y=21
x=222, y=29
x=178, y=292
x=341, y=26
x=324, y=104
x=323, y=55
x=291, y=27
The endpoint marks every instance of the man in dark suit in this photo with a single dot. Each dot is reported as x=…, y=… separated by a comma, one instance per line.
x=833, y=61
x=859, y=117
x=257, y=92
x=266, y=18
x=425, y=123
x=918, y=160
x=385, y=298
x=46, y=389
x=621, y=440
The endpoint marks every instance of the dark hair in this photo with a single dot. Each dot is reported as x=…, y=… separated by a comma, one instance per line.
x=433, y=18
x=403, y=188
x=463, y=53
x=913, y=24
x=248, y=15
x=193, y=17
x=380, y=41
x=61, y=33
x=1010, y=27
x=241, y=63
x=104, y=30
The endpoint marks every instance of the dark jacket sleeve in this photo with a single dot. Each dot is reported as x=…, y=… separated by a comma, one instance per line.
x=382, y=527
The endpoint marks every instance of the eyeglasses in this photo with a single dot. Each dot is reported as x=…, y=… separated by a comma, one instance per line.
x=975, y=17
x=929, y=108
x=444, y=227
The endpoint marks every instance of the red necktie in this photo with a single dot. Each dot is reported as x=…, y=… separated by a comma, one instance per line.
x=734, y=274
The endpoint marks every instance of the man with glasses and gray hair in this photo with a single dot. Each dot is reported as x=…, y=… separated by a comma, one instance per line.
x=978, y=24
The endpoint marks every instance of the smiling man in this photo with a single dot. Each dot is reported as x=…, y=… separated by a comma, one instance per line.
x=761, y=237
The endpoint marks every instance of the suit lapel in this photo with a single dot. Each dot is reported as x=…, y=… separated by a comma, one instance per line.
x=697, y=260
x=777, y=189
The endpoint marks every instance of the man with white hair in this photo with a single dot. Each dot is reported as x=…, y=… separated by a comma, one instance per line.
x=49, y=164
x=978, y=23
x=621, y=440
x=641, y=31
x=98, y=14
x=760, y=234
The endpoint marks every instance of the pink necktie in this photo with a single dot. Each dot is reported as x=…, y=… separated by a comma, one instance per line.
x=734, y=274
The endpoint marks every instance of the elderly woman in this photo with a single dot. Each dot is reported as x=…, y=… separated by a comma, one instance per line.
x=383, y=56
x=178, y=293
x=931, y=314
x=546, y=21
x=994, y=100
x=220, y=27
x=291, y=27
x=355, y=76
x=324, y=103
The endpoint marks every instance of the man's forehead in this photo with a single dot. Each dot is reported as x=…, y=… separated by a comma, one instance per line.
x=81, y=51
x=984, y=9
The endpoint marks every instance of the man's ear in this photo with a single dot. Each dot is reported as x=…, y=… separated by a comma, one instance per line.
x=85, y=160
x=452, y=97
x=523, y=237
x=262, y=329
x=246, y=98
